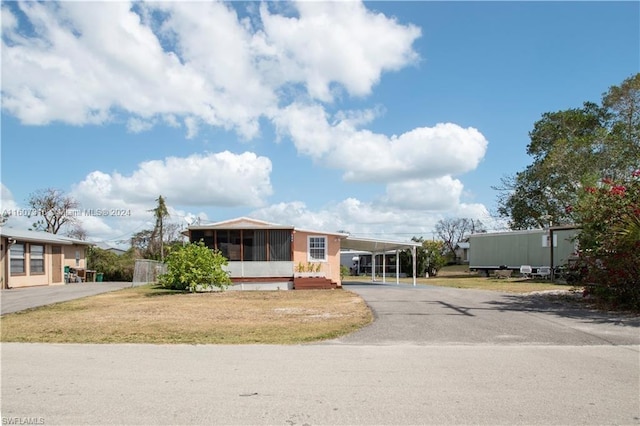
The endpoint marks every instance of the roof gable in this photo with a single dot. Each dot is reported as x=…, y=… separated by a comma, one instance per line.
x=249, y=223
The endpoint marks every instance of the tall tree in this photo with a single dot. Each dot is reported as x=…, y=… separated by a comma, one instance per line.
x=140, y=242
x=572, y=149
x=147, y=246
x=453, y=230
x=55, y=208
x=429, y=258
x=76, y=231
x=160, y=213
x=623, y=104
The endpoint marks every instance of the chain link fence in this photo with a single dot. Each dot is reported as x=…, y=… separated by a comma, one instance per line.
x=147, y=271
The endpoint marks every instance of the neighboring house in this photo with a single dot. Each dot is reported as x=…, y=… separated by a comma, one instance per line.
x=267, y=255
x=31, y=258
x=106, y=247
x=462, y=252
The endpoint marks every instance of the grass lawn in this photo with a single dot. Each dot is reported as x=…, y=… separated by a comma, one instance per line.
x=150, y=314
x=458, y=276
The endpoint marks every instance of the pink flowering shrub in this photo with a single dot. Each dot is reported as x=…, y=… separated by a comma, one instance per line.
x=609, y=214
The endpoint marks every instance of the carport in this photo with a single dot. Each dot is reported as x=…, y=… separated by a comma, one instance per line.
x=377, y=246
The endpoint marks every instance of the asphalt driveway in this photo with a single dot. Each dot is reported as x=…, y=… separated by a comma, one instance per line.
x=19, y=299
x=430, y=315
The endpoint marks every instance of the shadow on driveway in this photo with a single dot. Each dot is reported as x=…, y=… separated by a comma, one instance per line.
x=563, y=305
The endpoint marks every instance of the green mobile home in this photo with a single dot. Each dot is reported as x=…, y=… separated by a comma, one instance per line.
x=511, y=250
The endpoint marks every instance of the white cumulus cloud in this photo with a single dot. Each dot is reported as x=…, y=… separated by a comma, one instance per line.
x=439, y=194
x=339, y=42
x=371, y=220
x=424, y=152
x=216, y=179
x=198, y=62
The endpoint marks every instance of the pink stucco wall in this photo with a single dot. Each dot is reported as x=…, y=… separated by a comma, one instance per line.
x=330, y=267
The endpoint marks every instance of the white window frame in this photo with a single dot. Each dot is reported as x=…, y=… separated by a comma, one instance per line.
x=23, y=258
x=310, y=258
x=36, y=256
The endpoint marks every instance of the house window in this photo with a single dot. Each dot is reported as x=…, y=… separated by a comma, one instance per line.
x=36, y=259
x=17, y=259
x=317, y=249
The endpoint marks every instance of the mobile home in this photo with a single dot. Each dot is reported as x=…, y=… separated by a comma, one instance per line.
x=510, y=250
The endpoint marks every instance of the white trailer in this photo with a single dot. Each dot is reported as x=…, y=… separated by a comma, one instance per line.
x=537, y=248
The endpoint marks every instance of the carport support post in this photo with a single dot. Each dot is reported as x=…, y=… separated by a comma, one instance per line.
x=397, y=267
x=384, y=267
x=413, y=252
x=373, y=266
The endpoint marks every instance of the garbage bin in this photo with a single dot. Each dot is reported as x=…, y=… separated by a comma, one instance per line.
x=99, y=277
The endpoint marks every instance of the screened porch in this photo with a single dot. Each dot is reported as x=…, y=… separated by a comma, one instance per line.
x=252, y=253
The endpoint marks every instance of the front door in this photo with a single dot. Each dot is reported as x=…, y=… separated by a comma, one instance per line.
x=56, y=275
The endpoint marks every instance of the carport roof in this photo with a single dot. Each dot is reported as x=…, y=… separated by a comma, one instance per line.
x=375, y=245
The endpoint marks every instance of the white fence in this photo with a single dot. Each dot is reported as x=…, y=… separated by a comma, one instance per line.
x=147, y=271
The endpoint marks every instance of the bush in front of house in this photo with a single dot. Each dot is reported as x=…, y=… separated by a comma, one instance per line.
x=194, y=267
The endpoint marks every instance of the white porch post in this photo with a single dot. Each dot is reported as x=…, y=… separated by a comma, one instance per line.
x=384, y=267
x=397, y=267
x=413, y=251
x=373, y=266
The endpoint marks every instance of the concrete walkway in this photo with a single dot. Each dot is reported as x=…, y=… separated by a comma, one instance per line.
x=19, y=299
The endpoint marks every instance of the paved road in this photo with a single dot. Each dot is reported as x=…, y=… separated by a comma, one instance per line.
x=433, y=356
x=19, y=299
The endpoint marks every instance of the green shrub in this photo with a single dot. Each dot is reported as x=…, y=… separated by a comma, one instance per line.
x=194, y=267
x=609, y=212
x=112, y=266
x=344, y=271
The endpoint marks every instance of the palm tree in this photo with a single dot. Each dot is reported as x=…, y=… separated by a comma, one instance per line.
x=160, y=213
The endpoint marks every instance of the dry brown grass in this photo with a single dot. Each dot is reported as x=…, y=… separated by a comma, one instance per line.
x=458, y=276
x=153, y=315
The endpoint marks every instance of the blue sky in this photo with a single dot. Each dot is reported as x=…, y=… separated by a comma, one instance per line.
x=379, y=118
